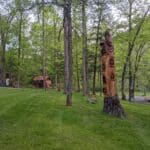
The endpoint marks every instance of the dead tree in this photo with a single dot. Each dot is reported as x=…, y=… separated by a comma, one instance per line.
x=112, y=104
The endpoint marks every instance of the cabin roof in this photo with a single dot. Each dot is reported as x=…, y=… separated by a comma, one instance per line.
x=39, y=78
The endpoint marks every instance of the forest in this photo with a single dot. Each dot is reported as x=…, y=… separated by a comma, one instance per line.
x=32, y=43
x=58, y=50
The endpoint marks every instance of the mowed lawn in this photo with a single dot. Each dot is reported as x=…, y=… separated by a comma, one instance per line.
x=31, y=119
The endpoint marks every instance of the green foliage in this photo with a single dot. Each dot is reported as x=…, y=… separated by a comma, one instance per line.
x=121, y=47
x=31, y=41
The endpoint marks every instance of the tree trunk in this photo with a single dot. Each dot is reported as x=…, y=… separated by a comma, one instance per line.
x=4, y=37
x=96, y=48
x=130, y=81
x=94, y=73
x=2, y=59
x=123, y=82
x=55, y=54
x=77, y=71
x=43, y=47
x=2, y=67
x=112, y=104
x=139, y=53
x=58, y=83
x=84, y=51
x=68, y=51
x=19, y=46
x=100, y=79
x=130, y=50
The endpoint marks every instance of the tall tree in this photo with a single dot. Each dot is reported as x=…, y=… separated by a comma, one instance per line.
x=138, y=56
x=77, y=41
x=131, y=43
x=19, y=43
x=68, y=51
x=43, y=46
x=5, y=24
x=99, y=9
x=84, y=49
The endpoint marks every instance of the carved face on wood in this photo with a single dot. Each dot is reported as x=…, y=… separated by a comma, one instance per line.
x=112, y=77
x=108, y=67
x=104, y=79
x=103, y=67
x=105, y=91
x=111, y=62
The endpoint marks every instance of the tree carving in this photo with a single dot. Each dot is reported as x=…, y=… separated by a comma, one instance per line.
x=112, y=104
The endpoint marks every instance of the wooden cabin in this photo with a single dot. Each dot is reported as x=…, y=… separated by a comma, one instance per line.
x=38, y=82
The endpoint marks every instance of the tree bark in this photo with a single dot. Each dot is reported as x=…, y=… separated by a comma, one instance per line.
x=68, y=51
x=112, y=104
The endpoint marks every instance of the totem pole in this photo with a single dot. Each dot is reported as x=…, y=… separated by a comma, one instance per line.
x=112, y=104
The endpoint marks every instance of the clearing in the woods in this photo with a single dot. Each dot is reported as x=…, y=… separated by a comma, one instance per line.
x=34, y=120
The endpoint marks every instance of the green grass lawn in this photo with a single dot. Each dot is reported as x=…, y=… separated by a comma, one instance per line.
x=33, y=120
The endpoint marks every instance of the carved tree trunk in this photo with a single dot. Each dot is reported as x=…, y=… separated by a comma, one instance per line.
x=68, y=51
x=112, y=104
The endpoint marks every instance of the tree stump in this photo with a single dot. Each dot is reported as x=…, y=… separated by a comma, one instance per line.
x=112, y=104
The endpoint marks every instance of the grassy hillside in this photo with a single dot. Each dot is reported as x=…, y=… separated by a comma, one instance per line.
x=33, y=120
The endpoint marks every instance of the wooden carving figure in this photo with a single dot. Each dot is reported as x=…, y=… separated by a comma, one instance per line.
x=112, y=104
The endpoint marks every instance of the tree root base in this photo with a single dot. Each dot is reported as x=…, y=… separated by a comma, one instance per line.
x=69, y=100
x=113, y=107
